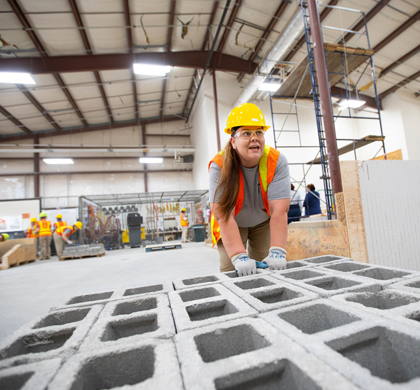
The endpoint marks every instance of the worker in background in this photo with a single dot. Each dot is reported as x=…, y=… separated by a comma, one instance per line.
x=184, y=224
x=249, y=196
x=59, y=223
x=312, y=201
x=33, y=229
x=4, y=237
x=61, y=237
x=44, y=237
x=295, y=212
x=200, y=218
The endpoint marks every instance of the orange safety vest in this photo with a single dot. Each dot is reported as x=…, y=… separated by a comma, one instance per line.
x=30, y=233
x=44, y=228
x=267, y=168
x=183, y=221
x=61, y=229
x=59, y=224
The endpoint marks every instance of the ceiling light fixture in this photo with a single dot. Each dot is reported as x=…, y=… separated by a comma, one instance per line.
x=16, y=78
x=151, y=70
x=151, y=160
x=351, y=103
x=58, y=161
x=272, y=87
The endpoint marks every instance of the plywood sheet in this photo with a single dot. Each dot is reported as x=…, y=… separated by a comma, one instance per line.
x=11, y=258
x=390, y=195
x=396, y=155
x=353, y=211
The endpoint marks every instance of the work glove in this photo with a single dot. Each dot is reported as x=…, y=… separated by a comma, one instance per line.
x=276, y=258
x=244, y=265
x=69, y=242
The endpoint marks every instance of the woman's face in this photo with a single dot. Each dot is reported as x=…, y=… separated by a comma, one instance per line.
x=250, y=149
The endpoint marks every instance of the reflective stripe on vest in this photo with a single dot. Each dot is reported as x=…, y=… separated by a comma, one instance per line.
x=44, y=228
x=183, y=221
x=267, y=168
x=59, y=224
x=61, y=230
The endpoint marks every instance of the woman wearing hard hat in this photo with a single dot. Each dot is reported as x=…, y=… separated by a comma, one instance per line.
x=61, y=237
x=184, y=224
x=249, y=196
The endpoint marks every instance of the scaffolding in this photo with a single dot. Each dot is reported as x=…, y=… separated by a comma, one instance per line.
x=301, y=83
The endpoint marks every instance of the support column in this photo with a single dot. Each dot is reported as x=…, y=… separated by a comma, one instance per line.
x=216, y=111
x=36, y=169
x=325, y=96
x=143, y=137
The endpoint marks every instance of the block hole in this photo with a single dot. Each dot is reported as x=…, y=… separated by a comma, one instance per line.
x=414, y=284
x=347, y=267
x=381, y=273
x=317, y=318
x=276, y=295
x=15, y=381
x=36, y=343
x=116, y=370
x=195, y=295
x=254, y=283
x=332, y=283
x=294, y=264
x=90, y=298
x=227, y=342
x=231, y=274
x=130, y=327
x=62, y=318
x=383, y=300
x=323, y=259
x=143, y=290
x=208, y=310
x=134, y=307
x=281, y=375
x=415, y=316
x=387, y=354
x=203, y=279
x=302, y=274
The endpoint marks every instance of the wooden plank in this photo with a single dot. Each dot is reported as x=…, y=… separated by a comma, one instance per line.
x=11, y=258
x=396, y=155
x=353, y=211
x=9, y=244
x=82, y=256
x=165, y=246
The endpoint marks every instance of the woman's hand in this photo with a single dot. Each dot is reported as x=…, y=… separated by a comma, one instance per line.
x=244, y=265
x=276, y=258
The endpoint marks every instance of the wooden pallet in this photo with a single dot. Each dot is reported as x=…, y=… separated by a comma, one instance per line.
x=162, y=247
x=82, y=256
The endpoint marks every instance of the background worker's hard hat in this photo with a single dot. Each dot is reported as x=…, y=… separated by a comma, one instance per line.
x=183, y=209
x=78, y=224
x=43, y=215
x=33, y=219
x=59, y=216
x=199, y=211
x=5, y=236
x=246, y=114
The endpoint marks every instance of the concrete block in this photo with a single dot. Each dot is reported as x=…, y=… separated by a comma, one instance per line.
x=130, y=321
x=250, y=354
x=47, y=338
x=345, y=266
x=144, y=290
x=411, y=285
x=34, y=376
x=265, y=293
x=143, y=366
x=206, y=305
x=325, y=259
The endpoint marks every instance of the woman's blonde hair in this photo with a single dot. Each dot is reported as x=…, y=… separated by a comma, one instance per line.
x=229, y=181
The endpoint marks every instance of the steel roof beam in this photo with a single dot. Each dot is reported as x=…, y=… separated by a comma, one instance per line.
x=37, y=43
x=401, y=60
x=230, y=22
x=399, y=85
x=16, y=121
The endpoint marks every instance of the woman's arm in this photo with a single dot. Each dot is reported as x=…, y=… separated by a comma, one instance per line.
x=278, y=222
x=229, y=230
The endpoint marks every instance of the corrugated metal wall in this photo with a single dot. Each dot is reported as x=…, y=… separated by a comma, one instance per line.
x=390, y=192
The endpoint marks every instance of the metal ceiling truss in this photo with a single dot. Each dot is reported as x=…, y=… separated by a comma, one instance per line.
x=17, y=122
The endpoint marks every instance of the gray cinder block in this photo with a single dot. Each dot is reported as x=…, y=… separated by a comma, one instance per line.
x=206, y=305
x=266, y=293
x=250, y=354
x=34, y=376
x=411, y=285
x=143, y=366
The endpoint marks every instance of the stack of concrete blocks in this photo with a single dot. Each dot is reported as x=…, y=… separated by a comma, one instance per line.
x=323, y=323
x=83, y=250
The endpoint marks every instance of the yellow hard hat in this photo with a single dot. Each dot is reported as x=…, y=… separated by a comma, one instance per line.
x=5, y=236
x=246, y=114
x=33, y=219
x=78, y=224
x=183, y=209
x=42, y=215
x=59, y=216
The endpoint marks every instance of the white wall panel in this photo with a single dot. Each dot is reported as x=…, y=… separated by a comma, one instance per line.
x=390, y=192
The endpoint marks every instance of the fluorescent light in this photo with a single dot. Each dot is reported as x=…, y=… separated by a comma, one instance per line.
x=351, y=103
x=272, y=87
x=16, y=78
x=151, y=160
x=151, y=70
x=58, y=161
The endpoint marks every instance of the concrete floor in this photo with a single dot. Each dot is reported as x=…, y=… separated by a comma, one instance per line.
x=31, y=290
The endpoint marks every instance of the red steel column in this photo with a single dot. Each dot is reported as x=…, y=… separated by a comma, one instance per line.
x=143, y=136
x=325, y=95
x=216, y=111
x=36, y=169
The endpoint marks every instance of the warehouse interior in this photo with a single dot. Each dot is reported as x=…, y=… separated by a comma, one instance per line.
x=111, y=115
